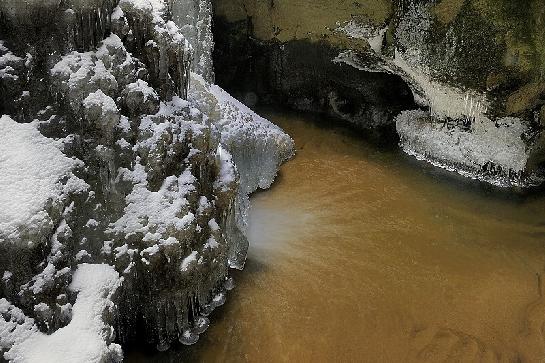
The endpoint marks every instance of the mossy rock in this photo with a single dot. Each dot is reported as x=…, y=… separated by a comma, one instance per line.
x=447, y=10
x=526, y=98
x=287, y=20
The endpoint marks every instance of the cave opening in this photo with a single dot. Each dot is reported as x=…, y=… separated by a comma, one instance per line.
x=303, y=76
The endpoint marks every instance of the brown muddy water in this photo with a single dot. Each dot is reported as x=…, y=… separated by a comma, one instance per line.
x=359, y=254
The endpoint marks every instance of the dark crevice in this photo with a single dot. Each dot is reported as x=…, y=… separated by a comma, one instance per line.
x=302, y=75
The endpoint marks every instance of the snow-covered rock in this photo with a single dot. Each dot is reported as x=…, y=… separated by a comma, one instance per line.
x=122, y=200
x=36, y=181
x=87, y=338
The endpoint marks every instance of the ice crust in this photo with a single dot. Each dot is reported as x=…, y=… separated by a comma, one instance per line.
x=491, y=151
x=258, y=146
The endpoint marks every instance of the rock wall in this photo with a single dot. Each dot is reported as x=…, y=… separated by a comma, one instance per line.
x=282, y=52
x=476, y=68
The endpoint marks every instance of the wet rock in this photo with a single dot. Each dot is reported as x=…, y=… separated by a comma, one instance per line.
x=467, y=63
x=140, y=98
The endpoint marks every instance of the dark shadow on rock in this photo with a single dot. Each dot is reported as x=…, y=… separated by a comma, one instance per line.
x=140, y=352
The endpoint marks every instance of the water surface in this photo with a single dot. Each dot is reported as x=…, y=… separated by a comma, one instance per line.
x=359, y=254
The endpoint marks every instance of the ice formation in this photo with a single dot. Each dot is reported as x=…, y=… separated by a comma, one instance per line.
x=195, y=21
x=455, y=127
x=124, y=187
x=494, y=152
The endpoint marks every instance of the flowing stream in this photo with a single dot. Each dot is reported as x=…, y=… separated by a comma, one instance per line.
x=359, y=253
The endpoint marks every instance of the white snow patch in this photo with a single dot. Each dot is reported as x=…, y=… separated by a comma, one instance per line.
x=85, y=339
x=32, y=169
x=189, y=260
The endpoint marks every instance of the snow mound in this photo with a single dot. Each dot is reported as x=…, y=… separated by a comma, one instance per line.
x=86, y=339
x=35, y=181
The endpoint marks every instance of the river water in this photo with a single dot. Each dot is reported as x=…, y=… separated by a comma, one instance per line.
x=360, y=254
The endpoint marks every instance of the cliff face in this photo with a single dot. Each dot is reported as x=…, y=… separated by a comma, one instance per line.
x=474, y=67
x=124, y=176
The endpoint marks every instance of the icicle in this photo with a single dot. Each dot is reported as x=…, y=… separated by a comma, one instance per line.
x=188, y=337
x=201, y=324
x=229, y=284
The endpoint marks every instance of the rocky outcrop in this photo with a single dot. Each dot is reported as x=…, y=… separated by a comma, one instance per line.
x=283, y=52
x=475, y=68
x=123, y=191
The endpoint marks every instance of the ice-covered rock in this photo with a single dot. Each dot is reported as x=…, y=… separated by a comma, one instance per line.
x=491, y=151
x=163, y=47
x=256, y=146
x=124, y=204
x=195, y=20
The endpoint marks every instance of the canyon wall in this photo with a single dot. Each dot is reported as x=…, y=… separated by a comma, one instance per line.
x=475, y=70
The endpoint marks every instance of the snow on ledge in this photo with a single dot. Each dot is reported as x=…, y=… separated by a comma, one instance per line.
x=35, y=176
x=86, y=338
